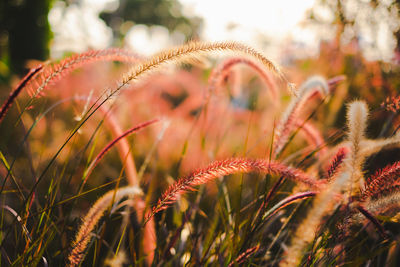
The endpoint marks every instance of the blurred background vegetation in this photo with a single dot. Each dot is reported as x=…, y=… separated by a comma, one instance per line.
x=30, y=30
x=25, y=31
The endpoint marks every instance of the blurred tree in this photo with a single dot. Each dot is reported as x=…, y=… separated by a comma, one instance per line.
x=167, y=13
x=368, y=21
x=24, y=32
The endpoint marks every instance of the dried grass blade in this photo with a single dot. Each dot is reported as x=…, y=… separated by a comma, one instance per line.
x=112, y=143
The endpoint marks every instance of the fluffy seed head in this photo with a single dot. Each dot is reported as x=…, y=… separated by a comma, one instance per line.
x=357, y=115
x=92, y=218
x=316, y=85
x=191, y=49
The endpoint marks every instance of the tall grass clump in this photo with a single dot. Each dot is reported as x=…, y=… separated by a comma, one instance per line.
x=268, y=176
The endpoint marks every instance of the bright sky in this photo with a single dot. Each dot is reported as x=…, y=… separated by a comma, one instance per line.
x=264, y=24
x=276, y=18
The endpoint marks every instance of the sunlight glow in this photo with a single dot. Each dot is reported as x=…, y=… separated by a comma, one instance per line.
x=231, y=19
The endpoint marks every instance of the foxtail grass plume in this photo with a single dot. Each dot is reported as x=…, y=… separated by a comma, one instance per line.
x=231, y=166
x=314, y=85
x=357, y=122
x=325, y=203
x=219, y=73
x=55, y=72
x=383, y=182
x=336, y=162
x=92, y=218
x=180, y=53
x=21, y=85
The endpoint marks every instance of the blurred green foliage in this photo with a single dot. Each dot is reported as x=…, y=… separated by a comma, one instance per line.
x=24, y=33
x=167, y=13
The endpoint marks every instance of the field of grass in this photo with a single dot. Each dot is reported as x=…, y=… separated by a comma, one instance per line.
x=207, y=154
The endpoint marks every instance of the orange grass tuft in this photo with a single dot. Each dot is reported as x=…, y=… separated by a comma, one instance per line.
x=314, y=85
x=191, y=49
x=336, y=162
x=53, y=73
x=383, y=182
x=231, y=166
